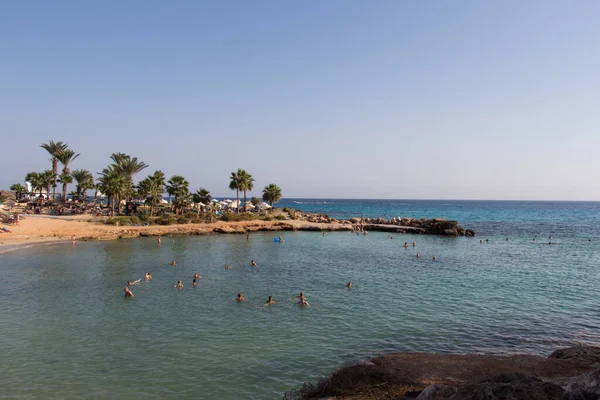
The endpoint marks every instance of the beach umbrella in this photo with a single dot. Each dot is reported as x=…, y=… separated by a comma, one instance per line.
x=163, y=201
x=264, y=205
x=249, y=205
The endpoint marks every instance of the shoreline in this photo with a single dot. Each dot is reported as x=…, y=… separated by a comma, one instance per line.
x=42, y=229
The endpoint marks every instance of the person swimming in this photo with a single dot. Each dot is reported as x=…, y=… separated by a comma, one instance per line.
x=159, y=241
x=179, y=285
x=270, y=300
x=226, y=266
x=414, y=244
x=147, y=276
x=301, y=295
x=406, y=245
x=194, y=282
x=279, y=239
x=240, y=297
x=303, y=302
x=418, y=255
x=127, y=292
x=196, y=276
x=349, y=285
x=434, y=258
x=253, y=263
x=129, y=283
x=173, y=263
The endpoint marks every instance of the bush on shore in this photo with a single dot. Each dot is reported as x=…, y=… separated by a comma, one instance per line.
x=234, y=217
x=124, y=221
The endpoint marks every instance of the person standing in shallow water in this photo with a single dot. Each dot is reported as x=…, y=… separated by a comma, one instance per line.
x=240, y=297
x=270, y=300
x=179, y=285
x=127, y=292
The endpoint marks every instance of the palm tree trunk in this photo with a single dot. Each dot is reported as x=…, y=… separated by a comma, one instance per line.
x=245, y=208
x=55, y=170
x=237, y=198
x=64, y=192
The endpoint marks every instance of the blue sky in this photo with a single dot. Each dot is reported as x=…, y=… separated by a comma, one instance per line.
x=335, y=98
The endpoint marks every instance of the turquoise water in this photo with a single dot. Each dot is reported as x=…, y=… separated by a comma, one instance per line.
x=67, y=331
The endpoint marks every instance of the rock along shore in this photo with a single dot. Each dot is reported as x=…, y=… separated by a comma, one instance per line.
x=567, y=374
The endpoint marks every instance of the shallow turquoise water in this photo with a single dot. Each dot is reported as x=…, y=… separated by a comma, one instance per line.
x=67, y=331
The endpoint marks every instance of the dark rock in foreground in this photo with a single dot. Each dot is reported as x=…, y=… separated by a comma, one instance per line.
x=571, y=374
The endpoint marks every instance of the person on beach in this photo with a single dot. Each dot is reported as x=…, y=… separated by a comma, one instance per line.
x=179, y=285
x=16, y=219
x=147, y=276
x=349, y=285
x=270, y=300
x=253, y=263
x=173, y=263
x=240, y=297
x=127, y=292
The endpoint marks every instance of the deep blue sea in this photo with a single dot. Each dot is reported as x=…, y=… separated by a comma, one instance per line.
x=68, y=332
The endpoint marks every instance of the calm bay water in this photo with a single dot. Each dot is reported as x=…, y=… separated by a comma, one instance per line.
x=67, y=332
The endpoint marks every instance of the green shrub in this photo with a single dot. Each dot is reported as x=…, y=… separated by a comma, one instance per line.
x=124, y=221
x=183, y=219
x=190, y=215
x=166, y=220
x=234, y=217
x=280, y=217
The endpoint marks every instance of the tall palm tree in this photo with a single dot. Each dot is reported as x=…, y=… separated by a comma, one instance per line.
x=178, y=186
x=65, y=179
x=85, y=182
x=235, y=183
x=271, y=193
x=65, y=157
x=127, y=166
x=152, y=188
x=18, y=189
x=53, y=149
x=247, y=184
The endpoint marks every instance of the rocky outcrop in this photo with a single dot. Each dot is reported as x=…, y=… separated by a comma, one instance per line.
x=570, y=374
x=434, y=226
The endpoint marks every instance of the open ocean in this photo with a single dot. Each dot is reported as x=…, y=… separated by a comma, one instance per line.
x=67, y=331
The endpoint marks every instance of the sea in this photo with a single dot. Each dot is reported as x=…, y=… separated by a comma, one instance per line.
x=528, y=282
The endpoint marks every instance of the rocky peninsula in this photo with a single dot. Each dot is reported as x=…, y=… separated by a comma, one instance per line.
x=570, y=374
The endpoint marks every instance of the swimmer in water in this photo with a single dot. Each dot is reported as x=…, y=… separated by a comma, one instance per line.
x=349, y=285
x=173, y=263
x=194, y=282
x=247, y=236
x=280, y=239
x=480, y=241
x=173, y=241
x=72, y=238
x=253, y=263
x=414, y=244
x=270, y=300
x=127, y=292
x=129, y=283
x=159, y=241
x=406, y=245
x=147, y=276
x=507, y=239
x=434, y=258
x=240, y=297
x=303, y=302
x=418, y=255
x=179, y=285
x=301, y=295
x=196, y=276
x=323, y=234
x=226, y=266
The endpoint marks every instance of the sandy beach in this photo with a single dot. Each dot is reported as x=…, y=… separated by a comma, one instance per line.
x=39, y=229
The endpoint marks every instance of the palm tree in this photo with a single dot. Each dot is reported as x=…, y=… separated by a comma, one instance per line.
x=127, y=166
x=178, y=186
x=272, y=193
x=65, y=179
x=152, y=188
x=53, y=149
x=48, y=178
x=114, y=185
x=65, y=157
x=202, y=196
x=85, y=182
x=235, y=183
x=18, y=189
x=247, y=183
x=34, y=179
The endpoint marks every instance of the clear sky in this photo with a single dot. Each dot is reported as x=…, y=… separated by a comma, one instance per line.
x=329, y=98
